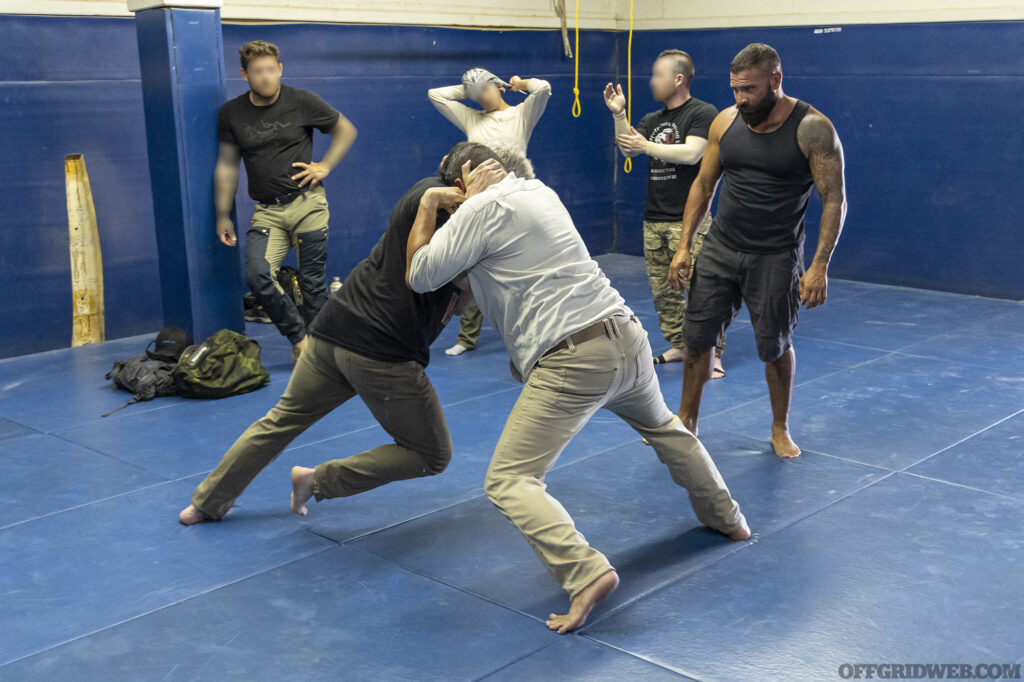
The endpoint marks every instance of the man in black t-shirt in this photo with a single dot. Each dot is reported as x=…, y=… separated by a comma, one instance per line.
x=673, y=138
x=271, y=129
x=371, y=339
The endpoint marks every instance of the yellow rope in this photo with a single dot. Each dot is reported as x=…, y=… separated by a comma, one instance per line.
x=576, y=86
x=628, y=166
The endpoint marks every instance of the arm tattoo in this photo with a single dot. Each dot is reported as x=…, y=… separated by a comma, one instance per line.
x=820, y=144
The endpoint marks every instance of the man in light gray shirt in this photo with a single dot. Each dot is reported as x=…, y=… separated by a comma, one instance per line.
x=574, y=342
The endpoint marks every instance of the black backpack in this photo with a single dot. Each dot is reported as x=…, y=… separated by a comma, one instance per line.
x=288, y=278
x=143, y=377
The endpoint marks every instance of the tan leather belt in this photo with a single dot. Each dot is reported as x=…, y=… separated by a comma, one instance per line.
x=592, y=332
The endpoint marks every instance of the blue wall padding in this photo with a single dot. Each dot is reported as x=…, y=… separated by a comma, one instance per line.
x=183, y=86
x=927, y=114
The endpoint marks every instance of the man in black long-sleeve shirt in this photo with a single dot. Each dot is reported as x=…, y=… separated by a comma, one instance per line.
x=371, y=339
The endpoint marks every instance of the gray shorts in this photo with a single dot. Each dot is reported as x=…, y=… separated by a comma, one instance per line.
x=767, y=283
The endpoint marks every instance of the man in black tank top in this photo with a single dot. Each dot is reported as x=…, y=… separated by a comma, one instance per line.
x=768, y=151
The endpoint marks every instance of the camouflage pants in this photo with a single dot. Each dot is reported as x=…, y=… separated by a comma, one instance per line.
x=660, y=243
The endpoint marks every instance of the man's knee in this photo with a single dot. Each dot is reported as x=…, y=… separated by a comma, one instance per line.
x=496, y=488
x=438, y=460
x=258, y=274
x=773, y=339
x=771, y=349
x=695, y=354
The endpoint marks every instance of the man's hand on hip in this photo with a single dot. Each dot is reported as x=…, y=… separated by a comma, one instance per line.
x=312, y=173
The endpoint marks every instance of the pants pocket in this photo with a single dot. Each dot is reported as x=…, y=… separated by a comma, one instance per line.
x=583, y=387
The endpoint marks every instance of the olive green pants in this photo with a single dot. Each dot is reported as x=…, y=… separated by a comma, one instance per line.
x=471, y=323
x=400, y=397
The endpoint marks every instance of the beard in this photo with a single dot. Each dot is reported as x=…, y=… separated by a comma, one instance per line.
x=756, y=114
x=265, y=92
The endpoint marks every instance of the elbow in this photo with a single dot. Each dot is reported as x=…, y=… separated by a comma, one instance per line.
x=412, y=282
x=835, y=200
x=693, y=158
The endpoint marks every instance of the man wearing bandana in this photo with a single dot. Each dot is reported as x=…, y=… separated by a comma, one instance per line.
x=495, y=121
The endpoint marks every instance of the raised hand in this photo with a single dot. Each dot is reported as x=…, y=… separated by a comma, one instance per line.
x=614, y=98
x=483, y=176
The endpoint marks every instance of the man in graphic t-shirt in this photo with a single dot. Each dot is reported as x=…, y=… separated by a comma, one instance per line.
x=271, y=129
x=673, y=138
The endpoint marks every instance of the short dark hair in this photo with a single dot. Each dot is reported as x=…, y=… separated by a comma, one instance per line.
x=257, y=48
x=451, y=167
x=756, y=56
x=683, y=63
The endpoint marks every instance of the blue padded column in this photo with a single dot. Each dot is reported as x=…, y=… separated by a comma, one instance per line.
x=181, y=56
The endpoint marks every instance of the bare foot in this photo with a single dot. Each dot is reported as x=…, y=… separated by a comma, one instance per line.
x=782, y=443
x=190, y=516
x=298, y=348
x=742, y=534
x=584, y=603
x=717, y=371
x=302, y=489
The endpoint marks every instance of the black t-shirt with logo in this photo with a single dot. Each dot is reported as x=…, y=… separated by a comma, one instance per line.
x=668, y=184
x=274, y=137
x=374, y=313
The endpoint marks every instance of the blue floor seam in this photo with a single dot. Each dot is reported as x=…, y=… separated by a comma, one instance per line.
x=84, y=504
x=962, y=440
x=756, y=537
x=512, y=663
x=166, y=606
x=803, y=383
x=462, y=590
x=678, y=671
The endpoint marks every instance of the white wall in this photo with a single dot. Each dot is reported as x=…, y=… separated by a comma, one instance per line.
x=677, y=14
x=594, y=14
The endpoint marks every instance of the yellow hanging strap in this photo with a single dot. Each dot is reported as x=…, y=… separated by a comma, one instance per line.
x=628, y=166
x=576, y=86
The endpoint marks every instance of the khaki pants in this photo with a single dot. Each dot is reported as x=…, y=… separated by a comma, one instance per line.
x=399, y=395
x=562, y=393
x=469, y=327
x=660, y=243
